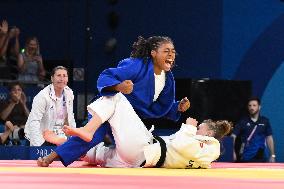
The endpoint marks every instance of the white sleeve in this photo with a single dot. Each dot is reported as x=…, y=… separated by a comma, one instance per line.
x=185, y=129
x=71, y=112
x=32, y=128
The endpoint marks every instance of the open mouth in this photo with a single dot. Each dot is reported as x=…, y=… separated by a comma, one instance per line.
x=169, y=62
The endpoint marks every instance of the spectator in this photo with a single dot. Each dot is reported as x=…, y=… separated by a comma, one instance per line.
x=8, y=130
x=9, y=50
x=30, y=63
x=52, y=108
x=14, y=112
x=255, y=135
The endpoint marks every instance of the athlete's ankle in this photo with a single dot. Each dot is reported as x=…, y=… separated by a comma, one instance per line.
x=51, y=157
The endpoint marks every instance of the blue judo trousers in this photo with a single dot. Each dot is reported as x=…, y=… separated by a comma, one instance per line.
x=76, y=147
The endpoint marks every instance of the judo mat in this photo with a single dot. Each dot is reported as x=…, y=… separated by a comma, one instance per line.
x=25, y=174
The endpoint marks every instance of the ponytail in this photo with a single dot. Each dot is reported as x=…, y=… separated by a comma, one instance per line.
x=221, y=128
x=142, y=47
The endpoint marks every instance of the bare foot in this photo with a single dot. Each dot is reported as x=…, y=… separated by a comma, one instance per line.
x=51, y=137
x=47, y=160
x=80, y=132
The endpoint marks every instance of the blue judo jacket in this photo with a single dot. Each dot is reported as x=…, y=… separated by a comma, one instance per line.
x=142, y=75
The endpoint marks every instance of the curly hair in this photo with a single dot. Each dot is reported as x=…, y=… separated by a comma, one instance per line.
x=221, y=128
x=142, y=47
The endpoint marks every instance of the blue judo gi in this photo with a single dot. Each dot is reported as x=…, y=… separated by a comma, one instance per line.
x=142, y=75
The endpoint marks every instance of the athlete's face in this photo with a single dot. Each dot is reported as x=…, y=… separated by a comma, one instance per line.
x=253, y=107
x=203, y=129
x=60, y=79
x=163, y=57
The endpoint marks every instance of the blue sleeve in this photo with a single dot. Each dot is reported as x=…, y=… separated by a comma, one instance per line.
x=126, y=70
x=268, y=130
x=174, y=114
x=237, y=128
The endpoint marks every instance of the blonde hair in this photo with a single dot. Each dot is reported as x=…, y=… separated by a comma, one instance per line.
x=33, y=38
x=220, y=128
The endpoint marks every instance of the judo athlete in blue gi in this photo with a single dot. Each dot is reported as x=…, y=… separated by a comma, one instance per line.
x=146, y=81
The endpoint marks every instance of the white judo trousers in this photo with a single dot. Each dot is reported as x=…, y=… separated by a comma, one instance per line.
x=130, y=133
x=134, y=143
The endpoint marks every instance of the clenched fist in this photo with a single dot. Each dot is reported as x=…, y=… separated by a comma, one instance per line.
x=191, y=121
x=183, y=105
x=125, y=87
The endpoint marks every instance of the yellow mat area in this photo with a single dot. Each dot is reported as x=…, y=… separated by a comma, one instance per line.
x=239, y=173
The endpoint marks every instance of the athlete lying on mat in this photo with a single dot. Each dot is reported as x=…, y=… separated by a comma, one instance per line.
x=191, y=147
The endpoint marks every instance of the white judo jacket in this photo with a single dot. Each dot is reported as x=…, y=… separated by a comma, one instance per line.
x=42, y=115
x=185, y=149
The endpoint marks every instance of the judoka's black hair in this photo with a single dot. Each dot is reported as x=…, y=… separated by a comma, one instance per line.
x=142, y=47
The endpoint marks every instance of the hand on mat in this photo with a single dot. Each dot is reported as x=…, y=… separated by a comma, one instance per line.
x=42, y=162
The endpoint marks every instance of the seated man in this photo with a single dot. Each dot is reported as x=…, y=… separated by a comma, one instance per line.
x=188, y=148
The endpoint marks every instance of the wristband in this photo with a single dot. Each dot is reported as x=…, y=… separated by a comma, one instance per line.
x=273, y=155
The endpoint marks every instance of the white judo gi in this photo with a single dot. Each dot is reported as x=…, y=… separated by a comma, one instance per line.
x=134, y=143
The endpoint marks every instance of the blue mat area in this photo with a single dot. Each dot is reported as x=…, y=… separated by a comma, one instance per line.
x=24, y=152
